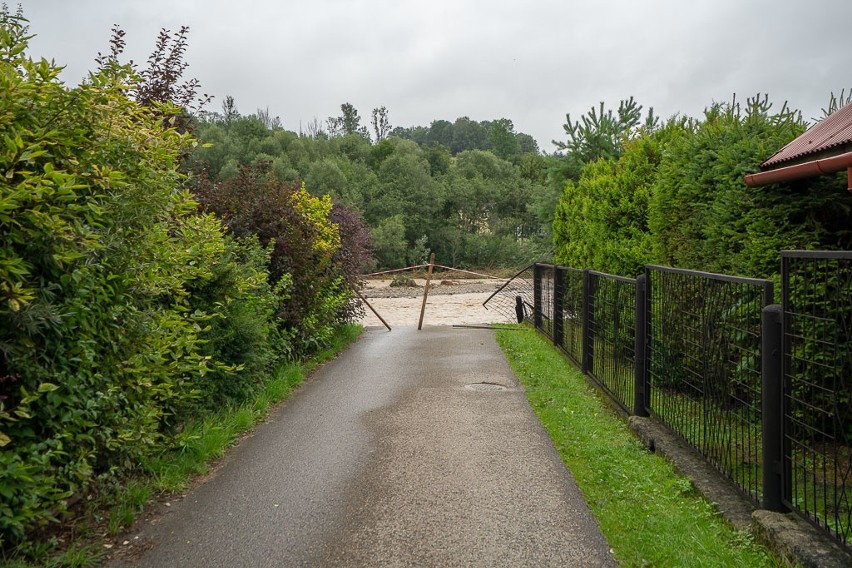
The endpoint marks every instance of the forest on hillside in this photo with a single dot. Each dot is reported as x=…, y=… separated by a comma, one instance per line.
x=474, y=193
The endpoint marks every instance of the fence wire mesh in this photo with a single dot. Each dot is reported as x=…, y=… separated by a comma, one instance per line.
x=504, y=300
x=612, y=330
x=705, y=369
x=545, y=285
x=570, y=287
x=817, y=304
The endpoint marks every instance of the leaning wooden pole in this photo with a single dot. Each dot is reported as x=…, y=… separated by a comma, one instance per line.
x=426, y=291
x=372, y=309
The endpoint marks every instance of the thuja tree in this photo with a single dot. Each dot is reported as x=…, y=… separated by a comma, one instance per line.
x=702, y=214
x=101, y=347
x=676, y=196
x=601, y=220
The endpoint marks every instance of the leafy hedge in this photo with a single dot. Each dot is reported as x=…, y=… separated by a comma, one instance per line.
x=123, y=308
x=602, y=220
x=98, y=250
x=303, y=241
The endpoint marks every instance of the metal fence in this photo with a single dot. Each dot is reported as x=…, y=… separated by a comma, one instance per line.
x=543, y=297
x=762, y=391
x=569, y=285
x=817, y=369
x=590, y=316
x=610, y=333
x=704, y=362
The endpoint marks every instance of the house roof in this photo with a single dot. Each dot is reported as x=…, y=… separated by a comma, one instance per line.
x=829, y=137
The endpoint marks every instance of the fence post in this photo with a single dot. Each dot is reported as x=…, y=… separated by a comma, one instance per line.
x=640, y=352
x=649, y=337
x=588, y=315
x=558, y=305
x=772, y=407
x=537, y=296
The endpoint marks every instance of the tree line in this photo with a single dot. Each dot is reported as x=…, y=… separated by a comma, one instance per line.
x=466, y=202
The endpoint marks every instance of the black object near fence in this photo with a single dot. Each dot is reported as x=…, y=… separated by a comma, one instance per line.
x=762, y=391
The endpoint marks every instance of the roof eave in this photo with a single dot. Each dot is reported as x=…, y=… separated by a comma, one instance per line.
x=813, y=168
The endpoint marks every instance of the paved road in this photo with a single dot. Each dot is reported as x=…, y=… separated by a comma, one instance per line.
x=386, y=458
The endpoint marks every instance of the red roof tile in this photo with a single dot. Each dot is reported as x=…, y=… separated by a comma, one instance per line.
x=832, y=132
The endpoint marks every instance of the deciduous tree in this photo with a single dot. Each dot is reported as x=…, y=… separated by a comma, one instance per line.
x=349, y=122
x=161, y=81
x=381, y=123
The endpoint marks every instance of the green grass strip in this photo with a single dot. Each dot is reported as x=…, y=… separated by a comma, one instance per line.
x=207, y=439
x=650, y=514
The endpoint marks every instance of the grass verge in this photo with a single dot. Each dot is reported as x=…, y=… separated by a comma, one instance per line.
x=206, y=439
x=114, y=509
x=650, y=514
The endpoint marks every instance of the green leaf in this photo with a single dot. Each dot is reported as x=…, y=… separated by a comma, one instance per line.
x=47, y=387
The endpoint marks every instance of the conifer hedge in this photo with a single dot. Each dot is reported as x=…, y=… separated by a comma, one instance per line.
x=675, y=195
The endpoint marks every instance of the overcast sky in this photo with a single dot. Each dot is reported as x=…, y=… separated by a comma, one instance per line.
x=531, y=62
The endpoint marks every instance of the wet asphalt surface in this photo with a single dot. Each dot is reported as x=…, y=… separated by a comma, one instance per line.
x=387, y=457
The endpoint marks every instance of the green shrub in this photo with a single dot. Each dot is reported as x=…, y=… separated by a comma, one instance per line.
x=702, y=214
x=304, y=244
x=242, y=333
x=104, y=345
x=601, y=221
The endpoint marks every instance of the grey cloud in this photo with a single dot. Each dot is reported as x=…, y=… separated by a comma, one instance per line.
x=530, y=62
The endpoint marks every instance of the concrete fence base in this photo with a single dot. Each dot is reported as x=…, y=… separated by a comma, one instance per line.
x=790, y=538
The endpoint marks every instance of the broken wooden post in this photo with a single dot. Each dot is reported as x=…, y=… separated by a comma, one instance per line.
x=363, y=299
x=426, y=291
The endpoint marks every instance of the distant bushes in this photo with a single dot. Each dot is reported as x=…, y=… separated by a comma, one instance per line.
x=123, y=309
x=470, y=207
x=675, y=195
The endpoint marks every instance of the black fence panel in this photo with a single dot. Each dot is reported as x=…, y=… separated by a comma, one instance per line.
x=817, y=345
x=705, y=368
x=611, y=333
x=570, y=290
x=544, y=292
x=699, y=343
